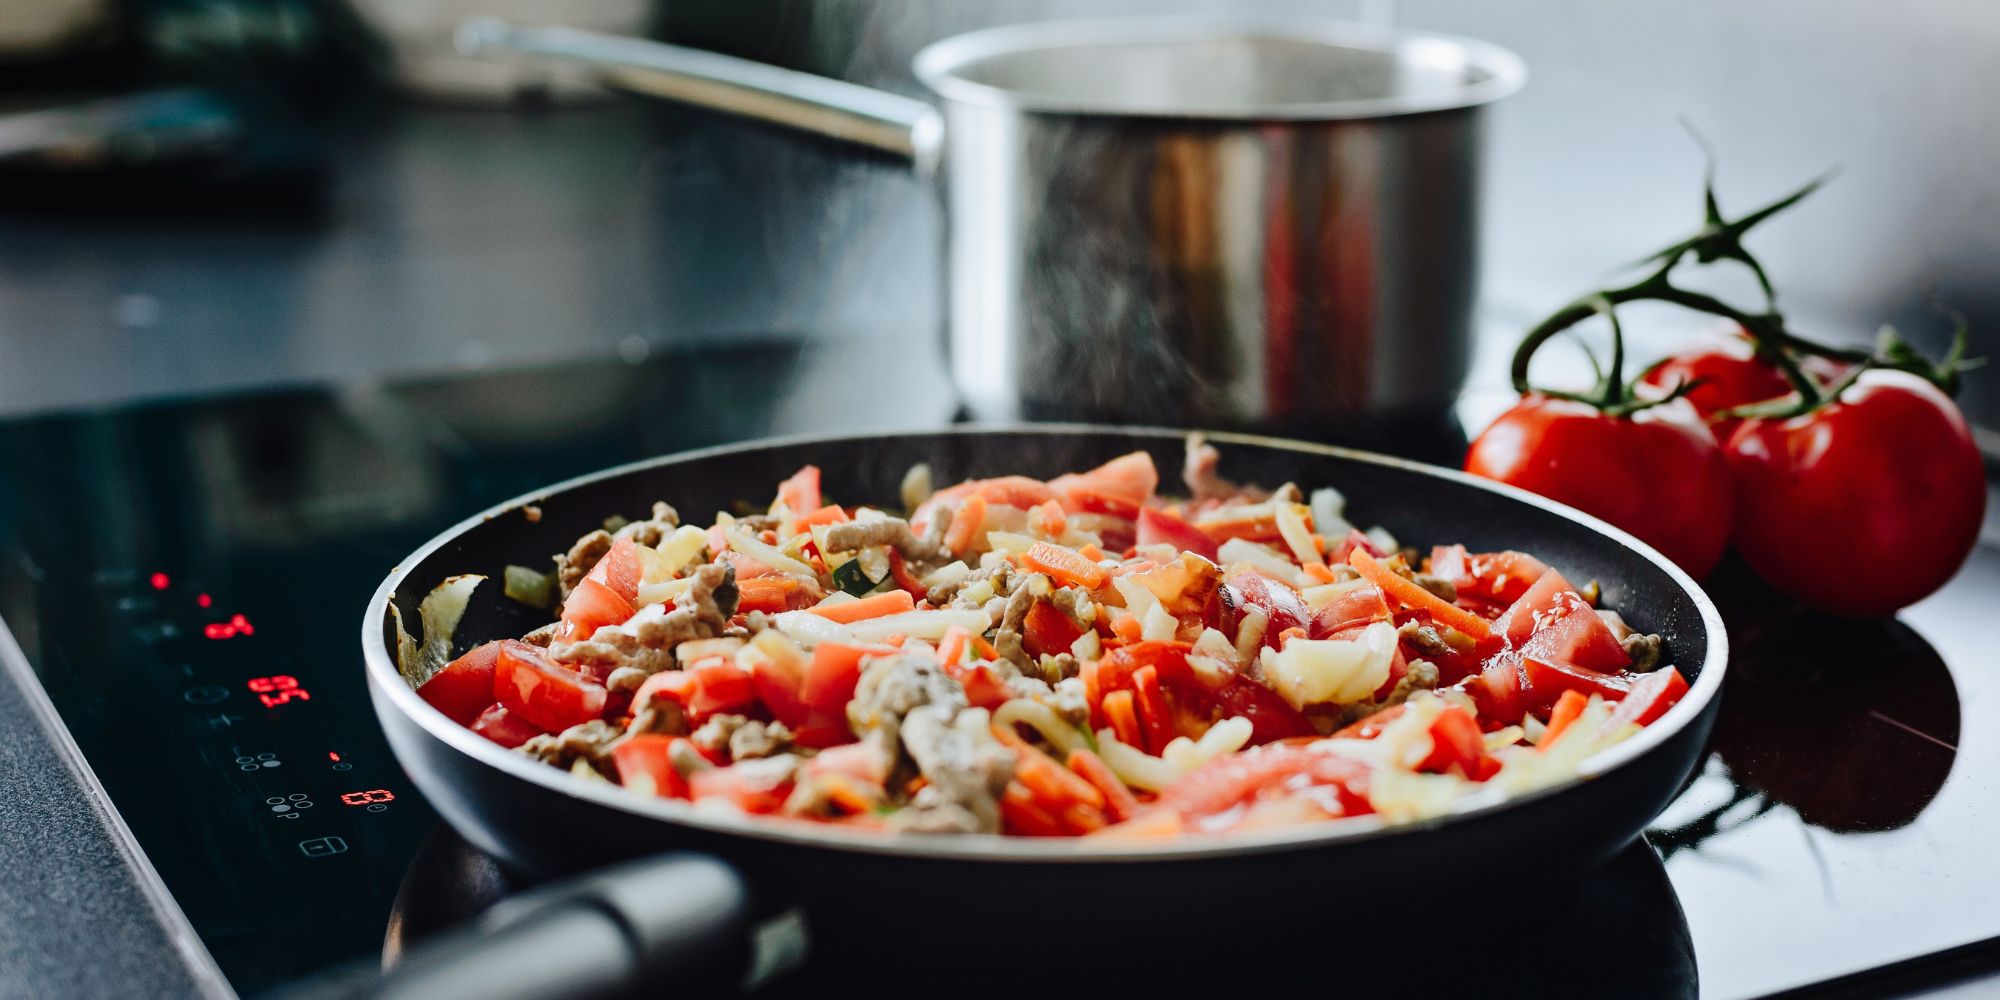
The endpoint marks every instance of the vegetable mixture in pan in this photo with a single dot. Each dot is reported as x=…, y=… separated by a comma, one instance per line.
x=1081, y=656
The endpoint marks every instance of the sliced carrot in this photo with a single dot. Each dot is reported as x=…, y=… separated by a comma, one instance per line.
x=1156, y=720
x=1066, y=566
x=1319, y=572
x=1124, y=719
x=1082, y=819
x=1295, y=632
x=984, y=648
x=766, y=593
x=888, y=602
x=1127, y=627
x=1053, y=521
x=1567, y=708
x=951, y=648
x=966, y=525
x=1119, y=802
x=1091, y=552
x=1410, y=595
x=1093, y=691
x=1023, y=815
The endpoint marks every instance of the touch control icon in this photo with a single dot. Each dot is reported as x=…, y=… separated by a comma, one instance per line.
x=321, y=847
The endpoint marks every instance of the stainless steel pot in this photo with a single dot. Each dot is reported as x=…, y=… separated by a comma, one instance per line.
x=1188, y=220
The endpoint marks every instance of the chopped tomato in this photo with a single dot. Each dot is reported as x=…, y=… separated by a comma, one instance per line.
x=780, y=686
x=464, y=687
x=1155, y=717
x=1492, y=577
x=542, y=691
x=1272, y=718
x=593, y=605
x=1406, y=593
x=644, y=764
x=831, y=676
x=1047, y=630
x=899, y=570
x=1565, y=711
x=1499, y=690
x=1455, y=743
x=1350, y=610
x=1545, y=681
x=1369, y=727
x=1119, y=802
x=1355, y=540
x=860, y=761
x=620, y=569
x=829, y=514
x=753, y=788
x=1157, y=527
x=1282, y=606
x=983, y=686
x=1551, y=621
x=504, y=727
x=1269, y=772
x=702, y=691
x=1118, y=487
x=801, y=492
x=1650, y=697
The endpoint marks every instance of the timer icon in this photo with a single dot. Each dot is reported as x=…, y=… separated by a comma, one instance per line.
x=288, y=806
x=257, y=763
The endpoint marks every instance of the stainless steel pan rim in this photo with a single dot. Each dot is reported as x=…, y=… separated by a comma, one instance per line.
x=1497, y=71
x=384, y=678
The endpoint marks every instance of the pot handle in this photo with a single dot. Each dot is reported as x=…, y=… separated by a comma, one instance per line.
x=892, y=123
x=675, y=924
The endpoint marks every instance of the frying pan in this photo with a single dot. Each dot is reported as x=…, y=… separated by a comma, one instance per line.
x=867, y=895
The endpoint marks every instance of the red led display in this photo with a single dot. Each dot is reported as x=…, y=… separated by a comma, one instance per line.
x=368, y=798
x=278, y=689
x=203, y=600
x=160, y=581
x=235, y=626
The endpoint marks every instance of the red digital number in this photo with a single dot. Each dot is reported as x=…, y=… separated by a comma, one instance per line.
x=368, y=798
x=278, y=689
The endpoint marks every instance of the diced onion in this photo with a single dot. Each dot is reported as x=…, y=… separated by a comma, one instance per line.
x=664, y=591
x=919, y=624
x=1335, y=671
x=742, y=541
x=1292, y=527
x=1133, y=766
x=1009, y=542
x=1263, y=558
x=809, y=629
x=1329, y=511
x=1042, y=719
x=1319, y=597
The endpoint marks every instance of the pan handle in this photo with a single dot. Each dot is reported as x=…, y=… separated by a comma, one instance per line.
x=677, y=924
x=892, y=123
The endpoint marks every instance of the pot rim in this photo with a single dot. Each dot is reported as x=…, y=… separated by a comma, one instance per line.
x=941, y=65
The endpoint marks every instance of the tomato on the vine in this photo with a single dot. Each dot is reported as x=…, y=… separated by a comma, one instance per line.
x=1725, y=373
x=1864, y=505
x=1657, y=473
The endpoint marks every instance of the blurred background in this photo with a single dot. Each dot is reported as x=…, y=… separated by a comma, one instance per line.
x=199, y=196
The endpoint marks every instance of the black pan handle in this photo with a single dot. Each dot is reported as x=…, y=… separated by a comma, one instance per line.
x=673, y=925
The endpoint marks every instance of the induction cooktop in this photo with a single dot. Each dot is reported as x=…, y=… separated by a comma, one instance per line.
x=183, y=579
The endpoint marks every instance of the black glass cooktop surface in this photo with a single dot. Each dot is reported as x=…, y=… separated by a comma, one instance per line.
x=185, y=581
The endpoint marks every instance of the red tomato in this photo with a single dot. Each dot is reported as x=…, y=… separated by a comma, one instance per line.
x=983, y=687
x=780, y=687
x=832, y=675
x=1119, y=487
x=1455, y=743
x=1545, y=682
x=1658, y=474
x=1266, y=772
x=1552, y=621
x=464, y=687
x=1272, y=718
x=752, y=787
x=620, y=569
x=1354, y=540
x=543, y=691
x=1499, y=690
x=1047, y=630
x=644, y=764
x=504, y=727
x=1650, y=698
x=1730, y=377
x=593, y=605
x=801, y=492
x=1281, y=605
x=1493, y=577
x=1864, y=506
x=1351, y=609
x=1157, y=527
x=702, y=691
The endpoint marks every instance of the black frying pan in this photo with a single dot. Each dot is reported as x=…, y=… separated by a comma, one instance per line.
x=971, y=907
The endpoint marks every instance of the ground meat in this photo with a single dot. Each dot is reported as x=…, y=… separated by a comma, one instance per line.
x=625, y=680
x=532, y=513
x=1423, y=676
x=1059, y=667
x=912, y=706
x=648, y=640
x=1437, y=585
x=660, y=715
x=945, y=595
x=543, y=636
x=745, y=739
x=1007, y=635
x=590, y=742
x=1076, y=603
x=654, y=530
x=715, y=733
x=572, y=566
x=1644, y=651
x=1426, y=640
x=894, y=531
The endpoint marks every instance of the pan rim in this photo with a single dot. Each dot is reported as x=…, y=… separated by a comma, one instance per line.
x=940, y=65
x=387, y=681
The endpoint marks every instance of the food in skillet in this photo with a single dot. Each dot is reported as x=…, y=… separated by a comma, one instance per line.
x=1077, y=656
